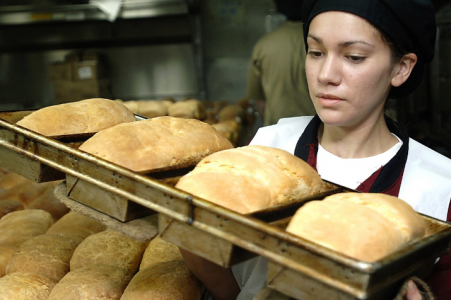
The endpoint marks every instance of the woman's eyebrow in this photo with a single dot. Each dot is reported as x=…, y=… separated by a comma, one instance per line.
x=343, y=44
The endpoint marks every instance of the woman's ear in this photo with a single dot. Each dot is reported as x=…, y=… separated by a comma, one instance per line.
x=403, y=69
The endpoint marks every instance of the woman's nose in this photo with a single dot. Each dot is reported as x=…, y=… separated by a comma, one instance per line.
x=330, y=71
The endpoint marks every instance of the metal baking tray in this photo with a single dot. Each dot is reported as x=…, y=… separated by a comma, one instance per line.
x=113, y=205
x=257, y=236
x=218, y=250
x=304, y=270
x=14, y=159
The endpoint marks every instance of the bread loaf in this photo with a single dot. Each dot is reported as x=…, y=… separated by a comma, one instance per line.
x=7, y=206
x=153, y=108
x=11, y=179
x=45, y=254
x=251, y=178
x=364, y=226
x=19, y=226
x=90, y=115
x=49, y=202
x=95, y=282
x=76, y=227
x=189, y=109
x=156, y=143
x=24, y=192
x=117, y=250
x=25, y=286
x=158, y=251
x=5, y=255
x=171, y=280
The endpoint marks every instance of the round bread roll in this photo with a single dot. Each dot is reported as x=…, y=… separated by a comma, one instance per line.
x=10, y=180
x=5, y=255
x=94, y=282
x=153, y=108
x=24, y=192
x=188, y=109
x=45, y=254
x=76, y=227
x=156, y=143
x=132, y=105
x=19, y=226
x=171, y=280
x=251, y=178
x=25, y=286
x=49, y=202
x=7, y=206
x=364, y=226
x=117, y=250
x=158, y=251
x=90, y=115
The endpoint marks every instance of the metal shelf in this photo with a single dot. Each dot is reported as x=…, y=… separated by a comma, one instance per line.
x=29, y=14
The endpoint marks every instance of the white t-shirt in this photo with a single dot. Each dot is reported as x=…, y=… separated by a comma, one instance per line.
x=351, y=172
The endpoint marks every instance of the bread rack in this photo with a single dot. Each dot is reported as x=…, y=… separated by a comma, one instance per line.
x=296, y=267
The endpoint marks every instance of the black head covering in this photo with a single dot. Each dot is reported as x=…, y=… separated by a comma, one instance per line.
x=408, y=23
x=290, y=8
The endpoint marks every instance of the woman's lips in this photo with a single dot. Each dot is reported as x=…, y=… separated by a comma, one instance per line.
x=329, y=100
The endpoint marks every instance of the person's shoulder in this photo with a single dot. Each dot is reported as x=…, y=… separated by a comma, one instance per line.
x=289, y=29
x=284, y=135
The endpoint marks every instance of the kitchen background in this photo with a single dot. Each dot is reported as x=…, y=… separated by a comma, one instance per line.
x=52, y=51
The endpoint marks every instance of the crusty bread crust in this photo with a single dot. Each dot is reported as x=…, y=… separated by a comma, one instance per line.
x=364, y=226
x=86, y=116
x=156, y=143
x=251, y=178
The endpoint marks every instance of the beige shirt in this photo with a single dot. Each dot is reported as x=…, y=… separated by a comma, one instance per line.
x=277, y=73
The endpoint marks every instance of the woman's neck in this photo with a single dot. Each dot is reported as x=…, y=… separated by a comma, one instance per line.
x=364, y=140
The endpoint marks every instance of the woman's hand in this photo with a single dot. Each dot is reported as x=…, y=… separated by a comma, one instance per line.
x=412, y=291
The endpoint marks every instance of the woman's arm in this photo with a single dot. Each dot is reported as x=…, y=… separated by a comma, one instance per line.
x=218, y=281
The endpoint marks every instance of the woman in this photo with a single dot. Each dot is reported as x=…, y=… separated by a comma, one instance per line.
x=359, y=54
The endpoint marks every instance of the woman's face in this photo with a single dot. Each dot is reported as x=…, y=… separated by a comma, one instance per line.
x=348, y=69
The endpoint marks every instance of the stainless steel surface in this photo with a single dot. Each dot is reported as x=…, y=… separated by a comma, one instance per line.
x=26, y=14
x=331, y=271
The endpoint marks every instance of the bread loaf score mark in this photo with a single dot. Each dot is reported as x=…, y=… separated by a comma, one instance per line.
x=251, y=178
x=157, y=143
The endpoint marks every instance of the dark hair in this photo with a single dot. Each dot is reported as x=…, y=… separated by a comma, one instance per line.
x=397, y=52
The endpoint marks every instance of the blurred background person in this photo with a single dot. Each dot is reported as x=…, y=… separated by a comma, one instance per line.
x=276, y=79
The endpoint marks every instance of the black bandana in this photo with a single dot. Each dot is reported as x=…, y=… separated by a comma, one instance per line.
x=409, y=23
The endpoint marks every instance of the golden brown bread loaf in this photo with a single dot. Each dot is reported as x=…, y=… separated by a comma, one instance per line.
x=24, y=192
x=11, y=179
x=158, y=251
x=171, y=280
x=49, y=202
x=25, y=286
x=229, y=129
x=132, y=105
x=251, y=178
x=5, y=255
x=156, y=143
x=19, y=226
x=117, y=250
x=153, y=108
x=361, y=225
x=90, y=115
x=76, y=227
x=95, y=282
x=45, y=254
x=188, y=109
x=7, y=206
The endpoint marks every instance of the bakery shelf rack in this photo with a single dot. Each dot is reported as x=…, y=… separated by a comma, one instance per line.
x=296, y=267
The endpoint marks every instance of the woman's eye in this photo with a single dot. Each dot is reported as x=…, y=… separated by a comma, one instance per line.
x=314, y=54
x=355, y=58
